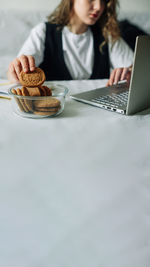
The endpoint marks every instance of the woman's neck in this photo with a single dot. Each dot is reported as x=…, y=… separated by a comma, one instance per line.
x=76, y=26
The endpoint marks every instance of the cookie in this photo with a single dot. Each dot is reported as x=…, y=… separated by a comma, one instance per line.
x=14, y=91
x=46, y=89
x=21, y=103
x=47, y=103
x=45, y=113
x=34, y=78
x=34, y=91
x=42, y=91
x=28, y=102
x=17, y=100
x=48, y=109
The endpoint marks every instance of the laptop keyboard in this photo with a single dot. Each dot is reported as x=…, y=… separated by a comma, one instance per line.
x=114, y=99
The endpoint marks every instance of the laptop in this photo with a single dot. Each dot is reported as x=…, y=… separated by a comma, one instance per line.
x=123, y=98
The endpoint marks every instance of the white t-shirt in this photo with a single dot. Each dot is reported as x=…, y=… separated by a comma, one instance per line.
x=78, y=51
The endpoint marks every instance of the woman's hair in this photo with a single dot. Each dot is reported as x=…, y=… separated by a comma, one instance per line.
x=107, y=21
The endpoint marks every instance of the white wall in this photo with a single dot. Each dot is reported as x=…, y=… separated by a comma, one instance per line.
x=135, y=5
x=126, y=5
x=29, y=4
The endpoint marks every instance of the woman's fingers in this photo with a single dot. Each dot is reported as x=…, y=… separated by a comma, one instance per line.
x=17, y=67
x=113, y=77
x=31, y=62
x=12, y=75
x=124, y=74
x=25, y=63
x=110, y=81
x=119, y=74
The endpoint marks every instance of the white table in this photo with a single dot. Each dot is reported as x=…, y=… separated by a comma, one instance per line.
x=75, y=190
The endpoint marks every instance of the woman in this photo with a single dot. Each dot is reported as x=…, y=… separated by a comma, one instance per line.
x=81, y=40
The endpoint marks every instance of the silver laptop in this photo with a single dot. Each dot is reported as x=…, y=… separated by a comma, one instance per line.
x=121, y=97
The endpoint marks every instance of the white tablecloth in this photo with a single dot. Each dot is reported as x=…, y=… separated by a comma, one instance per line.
x=75, y=189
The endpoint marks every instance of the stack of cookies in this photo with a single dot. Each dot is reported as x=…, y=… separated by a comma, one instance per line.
x=32, y=87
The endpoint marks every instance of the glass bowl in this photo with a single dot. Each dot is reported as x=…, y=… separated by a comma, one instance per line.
x=40, y=106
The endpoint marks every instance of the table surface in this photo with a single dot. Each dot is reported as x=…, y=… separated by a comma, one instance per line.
x=75, y=189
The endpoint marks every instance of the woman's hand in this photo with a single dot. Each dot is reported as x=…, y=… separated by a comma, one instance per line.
x=25, y=63
x=120, y=74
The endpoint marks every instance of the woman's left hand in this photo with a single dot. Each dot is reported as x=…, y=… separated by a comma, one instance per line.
x=119, y=74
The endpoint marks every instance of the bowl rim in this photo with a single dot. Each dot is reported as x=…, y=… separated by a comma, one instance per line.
x=53, y=86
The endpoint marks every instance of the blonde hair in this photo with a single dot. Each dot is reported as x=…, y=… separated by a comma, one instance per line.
x=107, y=21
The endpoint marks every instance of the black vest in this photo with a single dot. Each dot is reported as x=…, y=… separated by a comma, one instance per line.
x=54, y=65
x=129, y=32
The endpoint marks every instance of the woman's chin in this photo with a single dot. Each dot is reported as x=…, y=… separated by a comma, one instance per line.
x=91, y=21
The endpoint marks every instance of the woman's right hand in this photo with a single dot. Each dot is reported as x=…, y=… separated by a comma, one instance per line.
x=25, y=63
x=120, y=74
